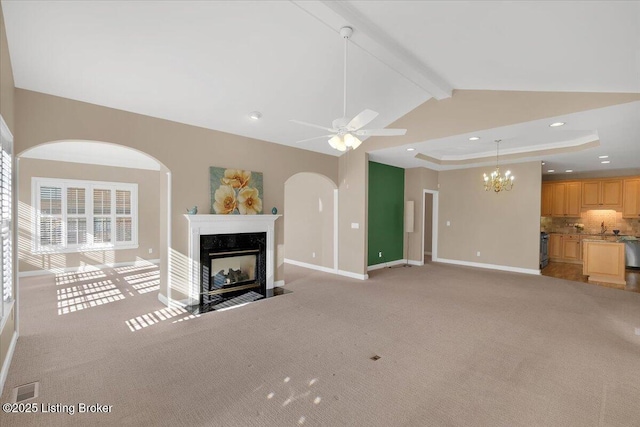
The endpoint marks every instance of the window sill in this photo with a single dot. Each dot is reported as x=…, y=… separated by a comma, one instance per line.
x=83, y=249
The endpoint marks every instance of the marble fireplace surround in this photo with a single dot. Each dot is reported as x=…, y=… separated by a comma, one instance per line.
x=201, y=225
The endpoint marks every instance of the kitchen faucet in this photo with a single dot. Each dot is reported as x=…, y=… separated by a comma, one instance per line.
x=603, y=229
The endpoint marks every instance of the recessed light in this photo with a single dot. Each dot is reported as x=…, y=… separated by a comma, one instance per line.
x=569, y=170
x=556, y=124
x=410, y=149
x=603, y=157
x=255, y=115
x=474, y=138
x=551, y=170
x=543, y=163
x=605, y=162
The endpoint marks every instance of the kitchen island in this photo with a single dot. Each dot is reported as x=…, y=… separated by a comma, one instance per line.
x=603, y=261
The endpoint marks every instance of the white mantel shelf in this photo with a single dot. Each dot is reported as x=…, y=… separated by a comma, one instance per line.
x=202, y=225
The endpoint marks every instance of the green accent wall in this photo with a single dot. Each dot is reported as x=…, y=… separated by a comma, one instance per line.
x=386, y=213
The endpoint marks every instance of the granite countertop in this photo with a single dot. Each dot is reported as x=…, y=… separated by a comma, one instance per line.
x=601, y=240
x=593, y=234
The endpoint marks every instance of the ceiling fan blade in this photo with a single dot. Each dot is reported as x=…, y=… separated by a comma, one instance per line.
x=361, y=120
x=314, y=126
x=315, y=137
x=380, y=132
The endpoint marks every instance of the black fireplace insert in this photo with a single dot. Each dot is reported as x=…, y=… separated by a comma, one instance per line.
x=233, y=270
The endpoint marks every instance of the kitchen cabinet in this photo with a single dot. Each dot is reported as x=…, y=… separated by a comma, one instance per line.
x=547, y=200
x=565, y=199
x=555, y=246
x=631, y=198
x=565, y=247
x=571, y=247
x=604, y=262
x=602, y=194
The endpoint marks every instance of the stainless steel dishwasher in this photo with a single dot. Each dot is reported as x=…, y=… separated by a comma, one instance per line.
x=632, y=253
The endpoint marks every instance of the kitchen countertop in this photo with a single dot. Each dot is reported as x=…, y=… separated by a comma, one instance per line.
x=601, y=239
x=594, y=234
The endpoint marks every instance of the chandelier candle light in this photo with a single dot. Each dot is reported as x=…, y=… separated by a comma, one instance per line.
x=496, y=181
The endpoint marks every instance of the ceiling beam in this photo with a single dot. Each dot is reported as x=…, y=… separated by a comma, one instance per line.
x=377, y=43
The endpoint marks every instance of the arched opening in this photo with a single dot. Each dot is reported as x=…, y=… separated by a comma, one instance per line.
x=86, y=205
x=310, y=221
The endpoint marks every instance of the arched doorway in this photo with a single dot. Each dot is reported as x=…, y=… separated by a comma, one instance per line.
x=131, y=218
x=310, y=221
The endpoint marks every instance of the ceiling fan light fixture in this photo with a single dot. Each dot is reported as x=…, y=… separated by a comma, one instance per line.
x=351, y=141
x=337, y=143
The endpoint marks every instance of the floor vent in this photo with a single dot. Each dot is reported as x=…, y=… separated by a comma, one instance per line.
x=376, y=357
x=25, y=392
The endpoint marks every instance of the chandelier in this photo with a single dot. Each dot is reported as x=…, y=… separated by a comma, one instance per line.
x=496, y=181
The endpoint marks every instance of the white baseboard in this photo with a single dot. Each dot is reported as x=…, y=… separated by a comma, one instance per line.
x=353, y=275
x=327, y=269
x=163, y=299
x=310, y=266
x=394, y=263
x=489, y=266
x=85, y=268
x=386, y=264
x=278, y=283
x=7, y=360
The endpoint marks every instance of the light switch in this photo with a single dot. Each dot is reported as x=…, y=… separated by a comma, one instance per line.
x=355, y=225
x=448, y=223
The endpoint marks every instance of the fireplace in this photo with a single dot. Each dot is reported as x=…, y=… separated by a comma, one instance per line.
x=231, y=260
x=233, y=269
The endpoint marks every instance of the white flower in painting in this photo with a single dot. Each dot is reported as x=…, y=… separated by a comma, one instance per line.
x=225, y=200
x=237, y=178
x=249, y=202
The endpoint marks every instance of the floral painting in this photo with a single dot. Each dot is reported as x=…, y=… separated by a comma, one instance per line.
x=235, y=191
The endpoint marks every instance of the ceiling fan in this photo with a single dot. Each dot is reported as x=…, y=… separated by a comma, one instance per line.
x=344, y=132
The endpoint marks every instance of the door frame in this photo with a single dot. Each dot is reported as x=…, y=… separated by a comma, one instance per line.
x=434, y=224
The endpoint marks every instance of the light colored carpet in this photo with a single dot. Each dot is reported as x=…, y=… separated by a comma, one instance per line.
x=458, y=347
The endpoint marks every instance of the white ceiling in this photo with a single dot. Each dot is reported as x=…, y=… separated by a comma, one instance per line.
x=209, y=64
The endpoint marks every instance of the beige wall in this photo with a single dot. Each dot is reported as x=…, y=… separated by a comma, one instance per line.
x=6, y=79
x=416, y=180
x=187, y=151
x=309, y=218
x=504, y=227
x=352, y=209
x=148, y=213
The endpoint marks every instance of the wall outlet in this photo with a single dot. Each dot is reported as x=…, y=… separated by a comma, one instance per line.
x=380, y=254
x=150, y=250
x=478, y=253
x=448, y=223
x=313, y=255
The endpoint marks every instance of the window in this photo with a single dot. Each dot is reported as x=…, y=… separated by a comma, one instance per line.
x=74, y=216
x=6, y=224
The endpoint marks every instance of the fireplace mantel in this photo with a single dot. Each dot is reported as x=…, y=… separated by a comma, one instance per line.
x=202, y=225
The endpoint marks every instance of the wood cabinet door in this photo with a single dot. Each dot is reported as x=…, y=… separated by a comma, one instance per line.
x=573, y=199
x=591, y=194
x=611, y=193
x=571, y=249
x=555, y=246
x=547, y=200
x=558, y=200
x=631, y=198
